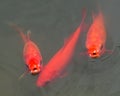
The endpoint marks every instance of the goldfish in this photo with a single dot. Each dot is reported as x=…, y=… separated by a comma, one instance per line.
x=60, y=60
x=96, y=36
x=31, y=53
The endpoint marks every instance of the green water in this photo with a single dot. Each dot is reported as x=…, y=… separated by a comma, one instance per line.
x=51, y=21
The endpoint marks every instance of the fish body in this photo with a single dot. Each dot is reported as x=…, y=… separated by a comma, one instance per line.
x=96, y=36
x=31, y=53
x=32, y=57
x=54, y=68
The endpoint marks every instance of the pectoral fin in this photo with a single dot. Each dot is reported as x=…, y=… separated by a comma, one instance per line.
x=22, y=75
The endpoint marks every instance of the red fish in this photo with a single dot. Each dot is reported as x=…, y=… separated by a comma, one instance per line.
x=96, y=36
x=54, y=68
x=31, y=52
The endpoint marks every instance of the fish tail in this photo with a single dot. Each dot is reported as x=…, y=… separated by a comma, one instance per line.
x=84, y=14
x=18, y=29
x=24, y=37
x=83, y=26
x=99, y=13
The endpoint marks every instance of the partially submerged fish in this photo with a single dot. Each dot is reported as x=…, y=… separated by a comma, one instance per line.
x=96, y=36
x=53, y=69
x=31, y=53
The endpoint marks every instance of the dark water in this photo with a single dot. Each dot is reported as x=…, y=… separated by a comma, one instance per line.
x=51, y=21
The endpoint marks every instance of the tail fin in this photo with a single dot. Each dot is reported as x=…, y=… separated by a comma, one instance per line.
x=83, y=25
x=84, y=13
x=18, y=29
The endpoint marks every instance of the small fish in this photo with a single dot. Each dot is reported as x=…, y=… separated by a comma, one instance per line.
x=96, y=36
x=54, y=68
x=31, y=53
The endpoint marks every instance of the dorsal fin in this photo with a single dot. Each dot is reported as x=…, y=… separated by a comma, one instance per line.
x=28, y=34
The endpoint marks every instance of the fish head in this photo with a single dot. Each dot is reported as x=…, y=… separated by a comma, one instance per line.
x=94, y=52
x=34, y=69
x=35, y=66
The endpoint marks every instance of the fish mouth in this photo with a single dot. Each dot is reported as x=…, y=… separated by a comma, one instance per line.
x=34, y=68
x=35, y=71
x=94, y=52
x=94, y=55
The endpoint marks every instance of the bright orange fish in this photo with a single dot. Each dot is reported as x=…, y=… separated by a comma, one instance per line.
x=54, y=68
x=96, y=36
x=31, y=52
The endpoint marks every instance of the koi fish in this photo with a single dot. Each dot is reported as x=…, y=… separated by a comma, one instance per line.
x=54, y=68
x=96, y=36
x=31, y=52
